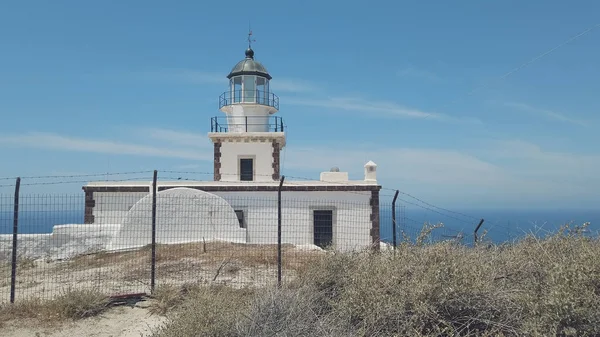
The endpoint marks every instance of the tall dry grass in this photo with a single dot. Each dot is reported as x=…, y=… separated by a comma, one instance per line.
x=72, y=304
x=534, y=287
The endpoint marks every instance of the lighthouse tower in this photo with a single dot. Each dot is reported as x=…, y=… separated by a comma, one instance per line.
x=248, y=138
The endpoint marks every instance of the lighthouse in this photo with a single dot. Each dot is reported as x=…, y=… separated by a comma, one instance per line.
x=248, y=137
x=238, y=204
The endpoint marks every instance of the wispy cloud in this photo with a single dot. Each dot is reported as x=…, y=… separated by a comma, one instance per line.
x=506, y=174
x=382, y=108
x=185, y=76
x=53, y=141
x=415, y=72
x=292, y=85
x=191, y=76
x=546, y=113
x=176, y=137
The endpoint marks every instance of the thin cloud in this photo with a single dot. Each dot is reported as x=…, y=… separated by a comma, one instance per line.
x=384, y=109
x=176, y=137
x=547, y=113
x=185, y=76
x=192, y=76
x=291, y=85
x=53, y=141
x=508, y=174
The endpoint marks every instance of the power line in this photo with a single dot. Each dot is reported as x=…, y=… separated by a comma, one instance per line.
x=525, y=64
x=76, y=175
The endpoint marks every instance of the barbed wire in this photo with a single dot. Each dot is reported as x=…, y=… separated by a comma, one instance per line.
x=76, y=175
x=421, y=203
x=523, y=65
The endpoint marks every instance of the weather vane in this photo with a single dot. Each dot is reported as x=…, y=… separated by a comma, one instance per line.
x=250, y=39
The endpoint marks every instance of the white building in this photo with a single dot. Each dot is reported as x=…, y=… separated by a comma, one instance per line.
x=247, y=143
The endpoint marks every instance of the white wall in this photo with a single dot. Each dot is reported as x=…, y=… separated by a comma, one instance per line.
x=262, y=153
x=351, y=216
x=351, y=223
x=111, y=207
x=64, y=242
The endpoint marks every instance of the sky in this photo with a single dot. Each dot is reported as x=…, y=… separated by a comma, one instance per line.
x=470, y=104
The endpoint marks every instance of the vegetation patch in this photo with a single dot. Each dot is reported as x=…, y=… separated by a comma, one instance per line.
x=70, y=305
x=534, y=287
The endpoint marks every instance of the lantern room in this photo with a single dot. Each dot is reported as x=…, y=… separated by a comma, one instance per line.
x=249, y=84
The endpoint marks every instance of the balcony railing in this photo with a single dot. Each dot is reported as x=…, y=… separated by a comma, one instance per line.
x=249, y=96
x=247, y=124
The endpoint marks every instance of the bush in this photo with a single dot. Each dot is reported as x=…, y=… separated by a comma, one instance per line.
x=70, y=305
x=534, y=287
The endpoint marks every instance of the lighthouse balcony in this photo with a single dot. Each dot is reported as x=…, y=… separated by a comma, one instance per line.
x=247, y=124
x=257, y=97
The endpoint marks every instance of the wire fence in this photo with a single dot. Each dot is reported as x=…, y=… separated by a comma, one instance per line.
x=130, y=241
x=131, y=235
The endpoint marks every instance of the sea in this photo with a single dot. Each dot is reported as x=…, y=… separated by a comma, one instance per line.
x=498, y=225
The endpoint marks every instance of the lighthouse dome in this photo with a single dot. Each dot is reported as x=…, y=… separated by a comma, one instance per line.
x=249, y=66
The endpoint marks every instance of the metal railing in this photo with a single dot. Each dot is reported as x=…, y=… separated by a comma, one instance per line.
x=249, y=96
x=247, y=124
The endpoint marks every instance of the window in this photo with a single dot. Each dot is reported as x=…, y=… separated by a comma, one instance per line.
x=246, y=169
x=323, y=227
x=261, y=90
x=240, y=216
x=237, y=89
x=249, y=89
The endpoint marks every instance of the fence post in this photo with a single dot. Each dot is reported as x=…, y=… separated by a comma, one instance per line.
x=153, y=268
x=13, y=274
x=279, y=232
x=394, y=218
x=475, y=232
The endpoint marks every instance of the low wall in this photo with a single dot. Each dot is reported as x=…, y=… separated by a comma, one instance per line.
x=64, y=242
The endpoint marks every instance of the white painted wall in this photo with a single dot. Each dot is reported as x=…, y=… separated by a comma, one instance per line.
x=351, y=226
x=351, y=216
x=111, y=207
x=262, y=153
x=257, y=121
x=65, y=241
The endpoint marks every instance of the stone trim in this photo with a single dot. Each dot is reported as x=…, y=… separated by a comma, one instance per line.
x=91, y=189
x=289, y=188
x=276, y=157
x=242, y=188
x=375, y=221
x=90, y=203
x=217, y=166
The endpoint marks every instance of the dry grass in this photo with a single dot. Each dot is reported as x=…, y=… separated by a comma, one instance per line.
x=207, y=311
x=534, y=287
x=129, y=271
x=70, y=305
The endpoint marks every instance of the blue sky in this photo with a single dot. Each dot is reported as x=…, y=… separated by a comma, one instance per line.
x=415, y=86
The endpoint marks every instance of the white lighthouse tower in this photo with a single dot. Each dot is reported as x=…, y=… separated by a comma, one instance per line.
x=248, y=139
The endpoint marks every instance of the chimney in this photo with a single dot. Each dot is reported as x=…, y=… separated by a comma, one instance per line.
x=371, y=172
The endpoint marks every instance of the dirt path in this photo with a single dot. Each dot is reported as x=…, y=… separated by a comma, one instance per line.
x=122, y=321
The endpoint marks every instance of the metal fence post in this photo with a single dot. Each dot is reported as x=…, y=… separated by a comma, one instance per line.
x=279, y=232
x=13, y=275
x=153, y=268
x=475, y=232
x=394, y=219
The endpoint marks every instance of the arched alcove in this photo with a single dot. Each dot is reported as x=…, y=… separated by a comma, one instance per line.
x=182, y=215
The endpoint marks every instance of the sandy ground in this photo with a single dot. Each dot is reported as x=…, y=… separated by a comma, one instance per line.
x=129, y=272
x=121, y=321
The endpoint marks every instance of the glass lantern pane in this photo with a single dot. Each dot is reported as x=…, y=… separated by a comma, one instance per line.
x=260, y=90
x=237, y=89
x=250, y=89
